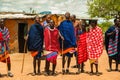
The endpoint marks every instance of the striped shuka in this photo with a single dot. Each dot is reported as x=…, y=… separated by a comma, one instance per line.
x=51, y=56
x=82, y=48
x=112, y=47
x=4, y=55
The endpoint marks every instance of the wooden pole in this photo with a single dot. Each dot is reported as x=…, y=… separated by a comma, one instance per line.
x=23, y=56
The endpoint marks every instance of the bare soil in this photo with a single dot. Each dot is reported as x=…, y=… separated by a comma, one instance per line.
x=16, y=60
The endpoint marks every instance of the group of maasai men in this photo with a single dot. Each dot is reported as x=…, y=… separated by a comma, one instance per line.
x=70, y=37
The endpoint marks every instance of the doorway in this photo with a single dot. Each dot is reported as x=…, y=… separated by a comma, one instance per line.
x=22, y=31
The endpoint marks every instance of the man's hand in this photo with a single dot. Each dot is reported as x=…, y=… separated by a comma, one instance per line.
x=62, y=37
x=26, y=37
x=111, y=33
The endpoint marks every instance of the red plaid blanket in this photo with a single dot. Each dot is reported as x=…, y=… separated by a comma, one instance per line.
x=95, y=43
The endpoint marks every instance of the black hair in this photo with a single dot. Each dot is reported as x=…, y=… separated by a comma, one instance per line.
x=74, y=16
x=115, y=20
x=36, y=16
x=93, y=21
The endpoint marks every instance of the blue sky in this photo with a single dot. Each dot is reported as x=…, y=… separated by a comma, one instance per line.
x=77, y=7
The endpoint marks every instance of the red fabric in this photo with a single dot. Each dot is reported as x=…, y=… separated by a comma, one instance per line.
x=82, y=48
x=95, y=43
x=8, y=60
x=1, y=36
x=51, y=39
x=5, y=57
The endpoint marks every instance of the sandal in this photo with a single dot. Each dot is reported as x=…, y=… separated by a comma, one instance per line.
x=46, y=74
x=53, y=74
x=67, y=71
x=91, y=73
x=33, y=74
x=63, y=71
x=98, y=73
x=116, y=70
x=38, y=73
x=109, y=70
x=10, y=74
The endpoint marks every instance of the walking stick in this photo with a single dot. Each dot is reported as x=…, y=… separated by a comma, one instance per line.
x=23, y=56
x=62, y=51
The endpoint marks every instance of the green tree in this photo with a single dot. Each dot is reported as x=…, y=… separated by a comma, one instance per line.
x=105, y=25
x=104, y=8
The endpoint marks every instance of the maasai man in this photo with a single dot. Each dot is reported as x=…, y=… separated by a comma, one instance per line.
x=4, y=42
x=51, y=40
x=94, y=45
x=66, y=29
x=82, y=48
x=76, y=25
x=35, y=43
x=46, y=22
x=112, y=40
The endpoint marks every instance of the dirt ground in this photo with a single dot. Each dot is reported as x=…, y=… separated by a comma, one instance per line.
x=16, y=59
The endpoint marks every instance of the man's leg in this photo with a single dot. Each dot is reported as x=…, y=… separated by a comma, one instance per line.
x=78, y=72
x=47, y=68
x=39, y=62
x=97, y=72
x=82, y=67
x=63, y=63
x=53, y=68
x=34, y=66
x=45, y=65
x=96, y=66
x=68, y=64
x=9, y=67
x=76, y=58
x=116, y=61
x=110, y=64
x=91, y=66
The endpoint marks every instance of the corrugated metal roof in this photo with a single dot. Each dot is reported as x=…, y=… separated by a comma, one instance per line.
x=18, y=15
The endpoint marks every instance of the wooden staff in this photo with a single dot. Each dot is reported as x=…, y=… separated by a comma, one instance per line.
x=23, y=56
x=24, y=50
x=62, y=48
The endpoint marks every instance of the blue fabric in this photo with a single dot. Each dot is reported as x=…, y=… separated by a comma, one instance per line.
x=6, y=36
x=80, y=32
x=67, y=31
x=35, y=38
x=2, y=47
x=69, y=54
x=38, y=55
x=107, y=38
x=111, y=29
x=75, y=54
x=45, y=24
x=113, y=44
x=50, y=55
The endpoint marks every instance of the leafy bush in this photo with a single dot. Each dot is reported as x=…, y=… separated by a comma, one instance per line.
x=105, y=25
